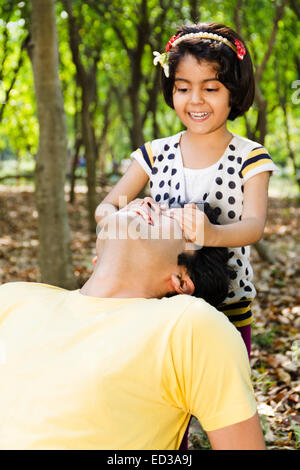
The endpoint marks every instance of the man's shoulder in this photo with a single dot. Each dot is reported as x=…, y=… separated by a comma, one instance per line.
x=194, y=310
x=201, y=323
x=15, y=289
x=201, y=312
x=15, y=286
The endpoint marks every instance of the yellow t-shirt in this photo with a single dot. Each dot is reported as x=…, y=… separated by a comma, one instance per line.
x=80, y=372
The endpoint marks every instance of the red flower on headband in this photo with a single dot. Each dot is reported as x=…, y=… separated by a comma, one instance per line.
x=241, y=50
x=173, y=38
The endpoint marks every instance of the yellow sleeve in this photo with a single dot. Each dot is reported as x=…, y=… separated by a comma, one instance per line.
x=257, y=161
x=208, y=371
x=145, y=158
x=8, y=297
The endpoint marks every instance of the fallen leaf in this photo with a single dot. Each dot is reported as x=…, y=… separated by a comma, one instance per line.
x=266, y=410
x=283, y=375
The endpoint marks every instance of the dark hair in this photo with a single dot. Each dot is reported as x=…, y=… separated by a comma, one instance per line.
x=235, y=74
x=208, y=268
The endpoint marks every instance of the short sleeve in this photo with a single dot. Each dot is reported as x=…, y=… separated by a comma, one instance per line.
x=11, y=295
x=257, y=161
x=144, y=156
x=208, y=372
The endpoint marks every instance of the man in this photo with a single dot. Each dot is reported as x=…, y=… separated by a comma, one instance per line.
x=117, y=364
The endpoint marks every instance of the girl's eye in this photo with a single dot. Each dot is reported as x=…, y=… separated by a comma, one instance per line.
x=182, y=90
x=211, y=89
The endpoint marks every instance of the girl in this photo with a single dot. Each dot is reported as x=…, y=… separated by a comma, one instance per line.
x=207, y=78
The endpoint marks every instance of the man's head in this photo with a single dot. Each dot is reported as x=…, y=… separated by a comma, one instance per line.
x=208, y=268
x=155, y=259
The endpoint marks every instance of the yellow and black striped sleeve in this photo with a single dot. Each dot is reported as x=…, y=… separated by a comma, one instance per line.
x=146, y=153
x=257, y=161
x=239, y=312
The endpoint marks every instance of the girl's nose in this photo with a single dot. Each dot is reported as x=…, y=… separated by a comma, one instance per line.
x=197, y=97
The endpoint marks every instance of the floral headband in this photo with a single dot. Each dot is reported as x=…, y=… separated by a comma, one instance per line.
x=162, y=58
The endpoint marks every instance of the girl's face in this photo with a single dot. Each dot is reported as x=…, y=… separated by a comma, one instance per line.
x=200, y=100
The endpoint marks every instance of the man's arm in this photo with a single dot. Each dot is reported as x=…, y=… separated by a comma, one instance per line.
x=211, y=362
x=245, y=435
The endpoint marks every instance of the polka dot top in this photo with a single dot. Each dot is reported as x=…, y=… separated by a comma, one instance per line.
x=162, y=161
x=194, y=191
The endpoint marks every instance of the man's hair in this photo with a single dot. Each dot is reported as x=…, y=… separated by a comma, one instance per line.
x=235, y=74
x=208, y=268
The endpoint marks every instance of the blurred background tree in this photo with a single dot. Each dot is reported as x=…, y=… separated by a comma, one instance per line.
x=55, y=256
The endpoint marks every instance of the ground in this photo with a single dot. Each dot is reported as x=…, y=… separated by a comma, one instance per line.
x=275, y=357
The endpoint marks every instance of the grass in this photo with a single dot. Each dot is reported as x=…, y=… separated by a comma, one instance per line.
x=296, y=432
x=265, y=340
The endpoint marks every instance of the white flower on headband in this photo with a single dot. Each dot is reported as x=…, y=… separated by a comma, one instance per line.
x=162, y=59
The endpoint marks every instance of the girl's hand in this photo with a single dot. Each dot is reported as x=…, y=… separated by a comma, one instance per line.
x=132, y=205
x=146, y=207
x=193, y=222
x=148, y=201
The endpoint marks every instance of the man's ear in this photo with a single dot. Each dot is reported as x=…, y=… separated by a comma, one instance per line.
x=182, y=283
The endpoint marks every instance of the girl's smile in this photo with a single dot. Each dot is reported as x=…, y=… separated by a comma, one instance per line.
x=200, y=100
x=199, y=116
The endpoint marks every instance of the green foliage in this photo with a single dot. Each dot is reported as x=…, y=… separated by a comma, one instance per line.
x=264, y=340
x=261, y=379
x=114, y=33
x=296, y=432
x=18, y=132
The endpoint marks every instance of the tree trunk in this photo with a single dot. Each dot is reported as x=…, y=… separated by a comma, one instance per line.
x=55, y=257
x=195, y=11
x=136, y=131
x=261, y=123
x=73, y=170
x=135, y=55
x=77, y=146
x=89, y=142
x=153, y=92
x=260, y=131
x=87, y=79
x=264, y=251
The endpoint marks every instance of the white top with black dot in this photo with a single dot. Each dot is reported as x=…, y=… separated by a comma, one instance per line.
x=243, y=158
x=194, y=191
